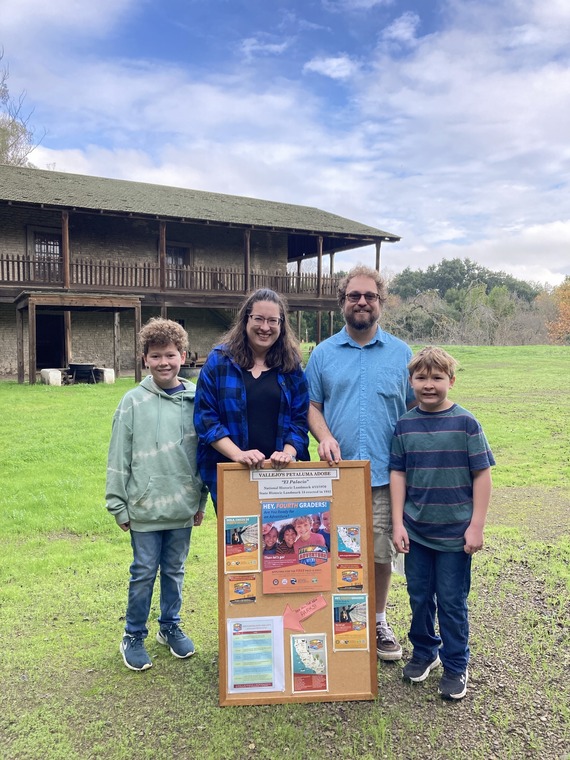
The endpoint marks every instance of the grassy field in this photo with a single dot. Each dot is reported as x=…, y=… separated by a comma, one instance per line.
x=65, y=693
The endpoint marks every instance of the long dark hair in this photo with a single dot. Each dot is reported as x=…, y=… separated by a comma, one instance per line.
x=284, y=353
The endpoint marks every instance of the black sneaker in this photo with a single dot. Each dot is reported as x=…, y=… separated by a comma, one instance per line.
x=418, y=670
x=453, y=685
x=387, y=646
x=174, y=637
x=134, y=653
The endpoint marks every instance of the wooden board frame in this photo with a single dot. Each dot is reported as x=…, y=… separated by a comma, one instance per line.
x=352, y=675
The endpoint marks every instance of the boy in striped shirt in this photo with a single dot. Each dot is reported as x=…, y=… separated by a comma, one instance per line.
x=440, y=485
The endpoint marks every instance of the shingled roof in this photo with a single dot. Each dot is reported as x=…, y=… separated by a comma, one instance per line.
x=77, y=192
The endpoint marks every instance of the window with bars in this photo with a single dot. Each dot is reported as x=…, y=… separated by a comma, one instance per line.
x=178, y=259
x=47, y=255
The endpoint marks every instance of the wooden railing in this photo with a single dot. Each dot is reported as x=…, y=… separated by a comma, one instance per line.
x=99, y=275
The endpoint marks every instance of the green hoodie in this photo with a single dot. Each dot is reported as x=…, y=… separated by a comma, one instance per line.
x=152, y=478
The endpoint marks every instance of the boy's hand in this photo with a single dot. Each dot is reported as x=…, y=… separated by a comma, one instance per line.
x=473, y=539
x=125, y=526
x=198, y=517
x=401, y=540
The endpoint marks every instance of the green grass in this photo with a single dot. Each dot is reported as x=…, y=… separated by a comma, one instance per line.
x=65, y=694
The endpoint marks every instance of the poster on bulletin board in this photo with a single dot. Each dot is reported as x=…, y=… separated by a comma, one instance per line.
x=296, y=583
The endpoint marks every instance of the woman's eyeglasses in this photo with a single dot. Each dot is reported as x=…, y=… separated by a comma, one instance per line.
x=355, y=297
x=259, y=320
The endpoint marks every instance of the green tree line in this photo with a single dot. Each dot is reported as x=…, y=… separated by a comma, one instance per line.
x=459, y=301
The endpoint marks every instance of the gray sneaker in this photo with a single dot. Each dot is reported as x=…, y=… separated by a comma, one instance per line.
x=134, y=653
x=387, y=646
x=174, y=637
x=418, y=670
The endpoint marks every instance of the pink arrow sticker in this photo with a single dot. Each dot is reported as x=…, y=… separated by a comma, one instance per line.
x=292, y=618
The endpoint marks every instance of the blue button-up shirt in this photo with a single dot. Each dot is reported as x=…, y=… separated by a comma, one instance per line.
x=363, y=390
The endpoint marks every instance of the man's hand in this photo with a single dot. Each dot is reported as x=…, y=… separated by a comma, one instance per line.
x=329, y=451
x=198, y=517
x=125, y=526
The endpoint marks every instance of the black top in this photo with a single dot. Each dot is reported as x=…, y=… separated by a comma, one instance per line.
x=263, y=403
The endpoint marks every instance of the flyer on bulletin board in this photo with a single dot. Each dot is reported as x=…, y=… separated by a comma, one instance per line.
x=350, y=622
x=295, y=556
x=242, y=589
x=348, y=537
x=349, y=577
x=309, y=662
x=255, y=654
x=241, y=544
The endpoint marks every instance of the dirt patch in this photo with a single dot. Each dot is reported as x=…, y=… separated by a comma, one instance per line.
x=544, y=513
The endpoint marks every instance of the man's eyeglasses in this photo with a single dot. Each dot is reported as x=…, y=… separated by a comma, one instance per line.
x=355, y=297
x=271, y=321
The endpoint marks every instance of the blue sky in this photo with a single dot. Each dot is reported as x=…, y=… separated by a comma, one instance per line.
x=442, y=121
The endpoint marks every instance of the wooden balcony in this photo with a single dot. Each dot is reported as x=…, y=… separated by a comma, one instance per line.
x=196, y=286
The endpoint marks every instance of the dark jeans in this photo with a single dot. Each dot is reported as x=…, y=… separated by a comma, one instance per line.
x=439, y=580
x=164, y=549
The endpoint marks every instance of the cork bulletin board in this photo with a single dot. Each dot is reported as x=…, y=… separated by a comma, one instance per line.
x=296, y=584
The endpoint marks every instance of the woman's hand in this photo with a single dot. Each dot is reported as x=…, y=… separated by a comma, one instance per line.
x=253, y=458
x=280, y=459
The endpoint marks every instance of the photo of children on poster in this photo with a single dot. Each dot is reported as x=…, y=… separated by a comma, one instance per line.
x=295, y=550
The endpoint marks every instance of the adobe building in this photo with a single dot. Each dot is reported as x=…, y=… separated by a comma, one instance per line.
x=85, y=260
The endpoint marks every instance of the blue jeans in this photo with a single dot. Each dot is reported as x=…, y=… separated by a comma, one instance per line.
x=439, y=580
x=164, y=549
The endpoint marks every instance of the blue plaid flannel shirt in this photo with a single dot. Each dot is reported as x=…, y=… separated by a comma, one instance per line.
x=220, y=410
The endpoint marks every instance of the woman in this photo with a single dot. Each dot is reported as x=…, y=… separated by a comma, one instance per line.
x=252, y=398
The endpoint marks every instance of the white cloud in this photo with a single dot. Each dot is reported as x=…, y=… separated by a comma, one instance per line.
x=338, y=67
x=352, y=5
x=84, y=17
x=403, y=29
x=456, y=140
x=253, y=46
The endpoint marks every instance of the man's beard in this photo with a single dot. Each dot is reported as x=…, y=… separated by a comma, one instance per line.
x=360, y=324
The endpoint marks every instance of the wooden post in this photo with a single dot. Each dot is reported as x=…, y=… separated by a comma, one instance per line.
x=31, y=342
x=319, y=266
x=331, y=273
x=116, y=343
x=319, y=283
x=138, y=373
x=162, y=255
x=378, y=244
x=65, y=248
x=20, y=343
x=247, y=260
x=67, y=347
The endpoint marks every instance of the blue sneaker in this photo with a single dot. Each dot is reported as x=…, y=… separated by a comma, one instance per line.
x=453, y=685
x=134, y=653
x=174, y=637
x=418, y=670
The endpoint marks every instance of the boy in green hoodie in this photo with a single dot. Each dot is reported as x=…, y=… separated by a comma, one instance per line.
x=154, y=489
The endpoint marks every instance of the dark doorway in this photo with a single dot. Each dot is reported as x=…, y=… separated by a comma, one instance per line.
x=49, y=341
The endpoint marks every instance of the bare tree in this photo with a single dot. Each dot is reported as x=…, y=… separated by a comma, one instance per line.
x=16, y=134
